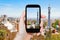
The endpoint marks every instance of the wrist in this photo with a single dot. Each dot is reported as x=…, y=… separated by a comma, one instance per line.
x=28, y=37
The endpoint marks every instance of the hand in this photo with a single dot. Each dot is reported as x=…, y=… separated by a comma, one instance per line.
x=22, y=35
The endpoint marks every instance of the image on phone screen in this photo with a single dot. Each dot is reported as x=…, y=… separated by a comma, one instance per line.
x=33, y=18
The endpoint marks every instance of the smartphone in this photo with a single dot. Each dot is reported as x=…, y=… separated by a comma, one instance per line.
x=32, y=18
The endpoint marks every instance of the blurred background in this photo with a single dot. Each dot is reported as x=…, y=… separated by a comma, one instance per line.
x=11, y=10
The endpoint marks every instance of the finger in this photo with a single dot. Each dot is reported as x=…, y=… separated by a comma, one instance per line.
x=41, y=28
x=43, y=16
x=21, y=23
x=22, y=16
x=41, y=24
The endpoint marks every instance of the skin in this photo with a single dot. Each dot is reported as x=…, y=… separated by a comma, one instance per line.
x=22, y=34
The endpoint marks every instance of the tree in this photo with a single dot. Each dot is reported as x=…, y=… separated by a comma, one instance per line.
x=55, y=23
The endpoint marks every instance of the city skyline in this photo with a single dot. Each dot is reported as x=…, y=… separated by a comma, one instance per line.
x=32, y=13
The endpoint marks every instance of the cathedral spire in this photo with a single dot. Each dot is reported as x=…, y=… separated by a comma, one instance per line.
x=49, y=8
x=37, y=17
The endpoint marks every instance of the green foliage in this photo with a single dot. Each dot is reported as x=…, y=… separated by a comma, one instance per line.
x=29, y=22
x=44, y=25
x=48, y=34
x=54, y=37
x=2, y=34
x=55, y=23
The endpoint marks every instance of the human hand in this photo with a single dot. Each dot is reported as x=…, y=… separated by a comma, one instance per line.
x=22, y=34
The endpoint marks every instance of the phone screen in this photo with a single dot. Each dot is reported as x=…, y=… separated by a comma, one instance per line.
x=33, y=18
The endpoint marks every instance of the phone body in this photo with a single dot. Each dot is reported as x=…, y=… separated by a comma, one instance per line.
x=32, y=18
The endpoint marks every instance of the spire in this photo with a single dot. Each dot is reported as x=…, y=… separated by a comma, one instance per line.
x=49, y=16
x=37, y=17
